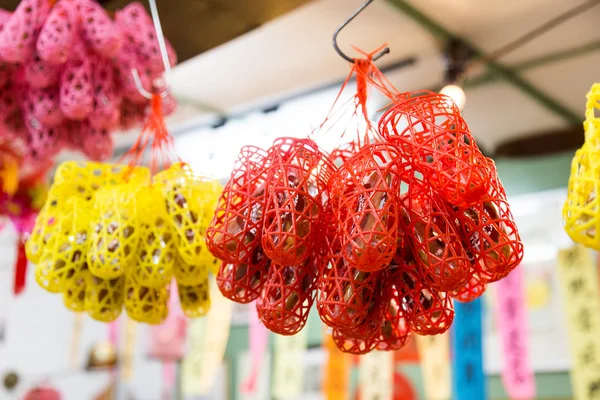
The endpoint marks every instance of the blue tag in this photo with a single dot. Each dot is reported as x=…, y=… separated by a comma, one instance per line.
x=468, y=378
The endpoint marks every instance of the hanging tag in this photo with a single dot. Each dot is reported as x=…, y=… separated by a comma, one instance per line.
x=20, y=268
x=468, y=378
x=376, y=375
x=258, y=339
x=581, y=302
x=214, y=341
x=76, y=340
x=288, y=370
x=191, y=368
x=128, y=353
x=434, y=353
x=517, y=374
x=335, y=385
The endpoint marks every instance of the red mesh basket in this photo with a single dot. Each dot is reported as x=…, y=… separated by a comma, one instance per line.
x=353, y=345
x=345, y=293
x=107, y=97
x=297, y=177
x=236, y=228
x=473, y=289
x=40, y=74
x=46, y=106
x=364, y=192
x=243, y=282
x=490, y=233
x=429, y=129
x=18, y=37
x=287, y=296
x=394, y=330
x=58, y=33
x=428, y=312
x=99, y=31
x=76, y=90
x=432, y=238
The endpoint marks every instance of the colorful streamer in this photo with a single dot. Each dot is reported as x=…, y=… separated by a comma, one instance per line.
x=434, y=352
x=376, y=375
x=467, y=352
x=258, y=339
x=517, y=373
x=191, y=368
x=582, y=302
x=288, y=376
x=337, y=371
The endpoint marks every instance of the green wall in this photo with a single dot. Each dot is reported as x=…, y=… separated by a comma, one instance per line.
x=519, y=176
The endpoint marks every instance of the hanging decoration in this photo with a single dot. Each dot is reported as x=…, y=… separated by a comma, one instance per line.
x=581, y=214
x=66, y=80
x=376, y=375
x=288, y=359
x=388, y=230
x=434, y=355
x=258, y=338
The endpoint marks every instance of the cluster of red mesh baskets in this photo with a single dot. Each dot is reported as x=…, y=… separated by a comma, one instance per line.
x=385, y=232
x=66, y=66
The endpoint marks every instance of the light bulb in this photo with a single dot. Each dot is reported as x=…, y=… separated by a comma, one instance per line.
x=456, y=93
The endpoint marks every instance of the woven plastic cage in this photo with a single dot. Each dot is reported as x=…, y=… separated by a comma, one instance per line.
x=243, y=282
x=236, y=228
x=364, y=192
x=156, y=252
x=298, y=176
x=107, y=98
x=195, y=300
x=432, y=237
x=473, y=289
x=394, y=331
x=429, y=130
x=99, y=30
x=116, y=230
x=355, y=346
x=58, y=33
x=18, y=38
x=46, y=106
x=104, y=298
x=41, y=74
x=73, y=292
x=489, y=233
x=146, y=304
x=287, y=296
x=76, y=88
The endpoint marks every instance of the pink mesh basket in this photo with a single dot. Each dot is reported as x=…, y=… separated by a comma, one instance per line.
x=99, y=31
x=128, y=60
x=58, y=34
x=76, y=89
x=107, y=98
x=18, y=37
x=40, y=74
x=46, y=106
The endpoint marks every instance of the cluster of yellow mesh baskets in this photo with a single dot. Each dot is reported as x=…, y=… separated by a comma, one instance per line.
x=112, y=236
x=581, y=212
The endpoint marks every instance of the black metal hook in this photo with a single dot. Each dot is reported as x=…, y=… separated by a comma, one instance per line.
x=343, y=24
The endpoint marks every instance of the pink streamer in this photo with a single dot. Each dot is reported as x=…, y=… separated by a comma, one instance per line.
x=517, y=374
x=258, y=337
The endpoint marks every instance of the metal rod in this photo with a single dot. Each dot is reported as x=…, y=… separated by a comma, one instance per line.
x=377, y=56
x=494, y=67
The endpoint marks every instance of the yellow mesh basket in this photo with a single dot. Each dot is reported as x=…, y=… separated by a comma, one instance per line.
x=194, y=300
x=115, y=234
x=64, y=253
x=145, y=304
x=193, y=274
x=87, y=177
x=47, y=220
x=591, y=125
x=73, y=291
x=156, y=250
x=187, y=200
x=104, y=297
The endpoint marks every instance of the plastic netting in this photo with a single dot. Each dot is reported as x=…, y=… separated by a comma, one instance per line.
x=5, y=73
x=96, y=143
x=236, y=228
x=394, y=331
x=46, y=106
x=429, y=129
x=145, y=304
x=17, y=40
x=356, y=346
x=195, y=300
x=73, y=291
x=131, y=114
x=116, y=230
x=43, y=142
x=127, y=61
x=364, y=192
x=287, y=296
x=243, y=282
x=490, y=234
x=104, y=297
x=473, y=289
x=76, y=89
x=107, y=97
x=345, y=293
x=433, y=239
x=581, y=211
x=99, y=30
x=297, y=177
x=156, y=252
x=58, y=33
x=428, y=312
x=64, y=253
x=40, y=74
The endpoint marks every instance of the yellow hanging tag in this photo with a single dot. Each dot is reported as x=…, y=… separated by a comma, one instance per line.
x=434, y=353
x=76, y=340
x=288, y=375
x=376, y=375
x=191, y=368
x=582, y=302
x=129, y=349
